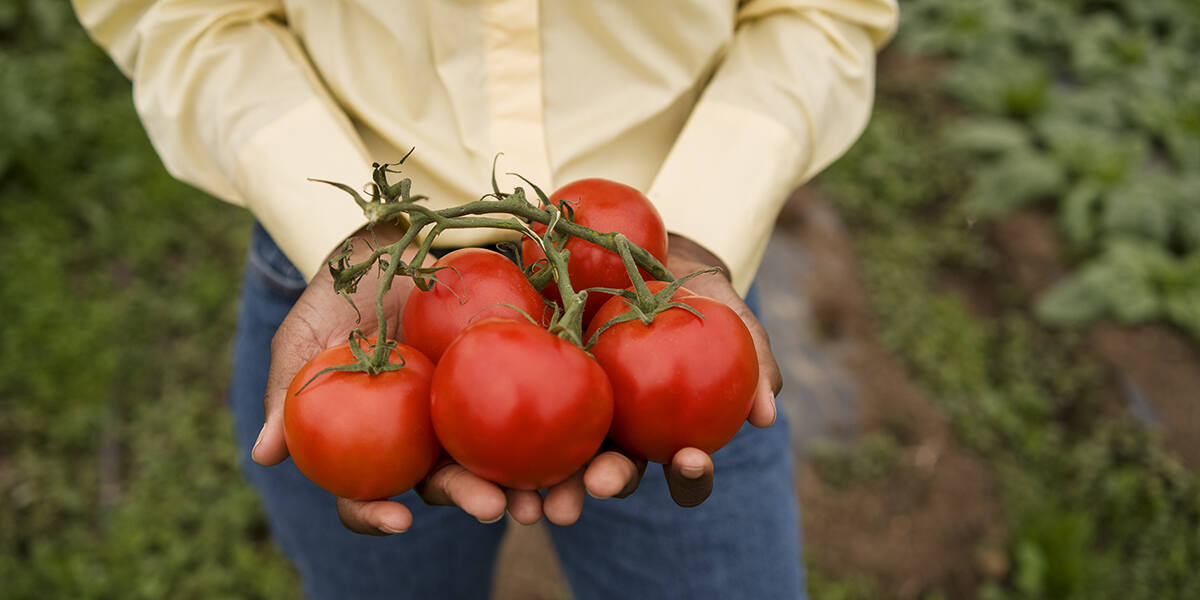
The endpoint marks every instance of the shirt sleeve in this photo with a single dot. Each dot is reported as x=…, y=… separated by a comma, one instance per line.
x=794, y=90
x=232, y=105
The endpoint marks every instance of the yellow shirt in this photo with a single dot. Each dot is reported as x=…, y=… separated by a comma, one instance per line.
x=716, y=109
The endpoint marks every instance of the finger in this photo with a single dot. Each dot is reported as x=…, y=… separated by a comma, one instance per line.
x=454, y=485
x=613, y=474
x=290, y=349
x=770, y=381
x=763, y=409
x=525, y=506
x=564, y=500
x=689, y=477
x=376, y=517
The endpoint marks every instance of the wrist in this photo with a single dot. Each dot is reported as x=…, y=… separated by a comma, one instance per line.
x=682, y=248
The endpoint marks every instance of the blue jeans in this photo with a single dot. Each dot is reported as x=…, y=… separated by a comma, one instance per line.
x=743, y=542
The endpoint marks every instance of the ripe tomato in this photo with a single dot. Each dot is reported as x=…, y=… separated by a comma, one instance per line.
x=361, y=436
x=679, y=382
x=518, y=406
x=473, y=287
x=604, y=206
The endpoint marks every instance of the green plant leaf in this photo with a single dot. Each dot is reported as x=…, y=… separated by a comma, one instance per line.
x=1014, y=181
x=1141, y=208
x=1076, y=300
x=1079, y=213
x=987, y=137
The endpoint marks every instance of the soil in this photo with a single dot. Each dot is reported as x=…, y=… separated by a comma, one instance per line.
x=1154, y=369
x=1158, y=371
x=934, y=522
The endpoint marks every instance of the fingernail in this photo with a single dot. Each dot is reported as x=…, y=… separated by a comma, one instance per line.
x=261, y=432
x=691, y=471
x=501, y=516
x=390, y=531
x=764, y=388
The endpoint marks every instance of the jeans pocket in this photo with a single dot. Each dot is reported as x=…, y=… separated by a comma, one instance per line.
x=271, y=268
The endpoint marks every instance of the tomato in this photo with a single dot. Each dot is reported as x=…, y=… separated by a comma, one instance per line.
x=605, y=206
x=679, y=382
x=474, y=286
x=362, y=436
x=518, y=406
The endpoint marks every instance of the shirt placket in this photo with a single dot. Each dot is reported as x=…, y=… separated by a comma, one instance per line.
x=513, y=62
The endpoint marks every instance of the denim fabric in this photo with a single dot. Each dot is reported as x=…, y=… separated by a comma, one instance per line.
x=743, y=542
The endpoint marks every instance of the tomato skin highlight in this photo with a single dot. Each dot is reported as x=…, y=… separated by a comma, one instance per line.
x=679, y=382
x=604, y=206
x=518, y=406
x=360, y=436
x=471, y=288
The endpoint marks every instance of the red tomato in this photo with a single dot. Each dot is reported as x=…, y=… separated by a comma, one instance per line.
x=605, y=206
x=518, y=406
x=472, y=288
x=361, y=436
x=679, y=382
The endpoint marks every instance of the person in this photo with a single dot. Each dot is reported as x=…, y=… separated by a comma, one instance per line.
x=715, y=108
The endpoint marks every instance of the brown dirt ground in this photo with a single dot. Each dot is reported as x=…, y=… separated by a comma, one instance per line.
x=934, y=522
x=1152, y=363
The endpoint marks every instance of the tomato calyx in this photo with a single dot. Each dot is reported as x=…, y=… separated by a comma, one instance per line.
x=644, y=304
x=365, y=362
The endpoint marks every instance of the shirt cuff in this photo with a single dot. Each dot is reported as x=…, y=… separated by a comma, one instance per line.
x=307, y=219
x=724, y=181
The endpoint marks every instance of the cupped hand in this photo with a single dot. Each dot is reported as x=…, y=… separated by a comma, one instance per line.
x=321, y=319
x=690, y=473
x=687, y=257
x=613, y=474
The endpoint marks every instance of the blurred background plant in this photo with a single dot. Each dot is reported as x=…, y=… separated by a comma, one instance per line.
x=118, y=473
x=1087, y=113
x=119, y=478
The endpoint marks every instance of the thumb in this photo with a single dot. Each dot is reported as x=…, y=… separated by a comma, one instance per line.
x=689, y=477
x=288, y=355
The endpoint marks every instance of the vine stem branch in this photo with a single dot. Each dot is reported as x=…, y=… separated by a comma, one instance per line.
x=393, y=203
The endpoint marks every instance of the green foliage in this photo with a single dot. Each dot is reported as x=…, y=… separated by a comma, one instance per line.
x=118, y=474
x=848, y=587
x=869, y=458
x=1102, y=125
x=1094, y=127
x=1133, y=281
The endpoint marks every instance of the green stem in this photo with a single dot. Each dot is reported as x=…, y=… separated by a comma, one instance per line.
x=644, y=297
x=467, y=216
x=389, y=202
x=569, y=325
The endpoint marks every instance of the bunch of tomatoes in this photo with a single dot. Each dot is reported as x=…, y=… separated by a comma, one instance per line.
x=492, y=377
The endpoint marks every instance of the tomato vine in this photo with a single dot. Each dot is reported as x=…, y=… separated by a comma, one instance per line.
x=394, y=202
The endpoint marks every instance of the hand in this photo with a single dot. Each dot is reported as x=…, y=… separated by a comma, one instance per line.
x=690, y=474
x=686, y=257
x=321, y=319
